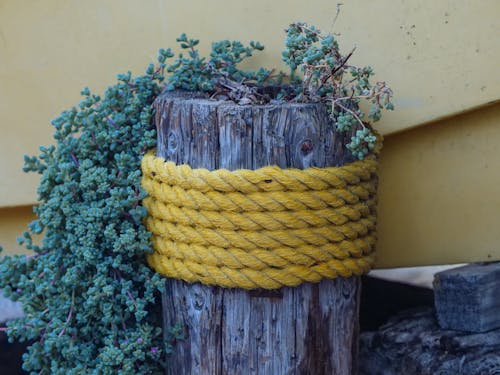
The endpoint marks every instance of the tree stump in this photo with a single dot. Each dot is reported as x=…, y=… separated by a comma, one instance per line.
x=309, y=329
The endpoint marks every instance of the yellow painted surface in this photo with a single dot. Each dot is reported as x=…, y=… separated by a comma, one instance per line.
x=439, y=195
x=13, y=222
x=440, y=57
x=438, y=201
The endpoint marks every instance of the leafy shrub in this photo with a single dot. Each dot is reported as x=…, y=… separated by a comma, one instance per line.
x=90, y=301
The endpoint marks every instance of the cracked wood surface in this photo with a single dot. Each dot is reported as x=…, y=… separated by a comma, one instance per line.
x=310, y=329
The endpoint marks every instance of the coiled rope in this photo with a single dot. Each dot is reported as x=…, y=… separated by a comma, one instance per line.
x=263, y=228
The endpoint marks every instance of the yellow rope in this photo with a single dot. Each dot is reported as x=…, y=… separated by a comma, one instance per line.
x=266, y=228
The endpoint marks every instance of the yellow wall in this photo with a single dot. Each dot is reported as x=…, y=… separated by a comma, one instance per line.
x=13, y=222
x=440, y=57
x=439, y=199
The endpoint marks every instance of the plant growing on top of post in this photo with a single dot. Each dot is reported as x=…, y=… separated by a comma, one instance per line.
x=328, y=76
x=319, y=72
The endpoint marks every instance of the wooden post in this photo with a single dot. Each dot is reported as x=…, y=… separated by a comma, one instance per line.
x=309, y=329
x=467, y=298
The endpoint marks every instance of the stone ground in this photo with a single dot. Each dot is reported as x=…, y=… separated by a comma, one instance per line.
x=397, y=341
x=412, y=343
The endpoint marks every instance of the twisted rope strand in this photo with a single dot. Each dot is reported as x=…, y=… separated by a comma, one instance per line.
x=267, y=239
x=261, y=258
x=256, y=220
x=269, y=278
x=268, y=201
x=264, y=179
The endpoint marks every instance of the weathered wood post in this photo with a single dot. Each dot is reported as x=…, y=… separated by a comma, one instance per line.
x=309, y=329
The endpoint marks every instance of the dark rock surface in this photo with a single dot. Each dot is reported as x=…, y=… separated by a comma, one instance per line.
x=412, y=343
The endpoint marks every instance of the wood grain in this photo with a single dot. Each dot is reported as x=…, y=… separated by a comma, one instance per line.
x=310, y=329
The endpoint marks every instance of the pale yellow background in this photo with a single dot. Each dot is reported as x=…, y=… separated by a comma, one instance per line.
x=437, y=201
x=439, y=198
x=13, y=222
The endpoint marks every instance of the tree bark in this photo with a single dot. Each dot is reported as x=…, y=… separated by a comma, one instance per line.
x=309, y=329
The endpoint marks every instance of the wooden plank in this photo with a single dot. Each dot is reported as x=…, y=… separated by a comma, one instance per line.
x=310, y=329
x=468, y=298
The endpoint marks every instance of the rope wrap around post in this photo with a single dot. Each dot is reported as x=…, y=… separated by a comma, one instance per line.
x=264, y=228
